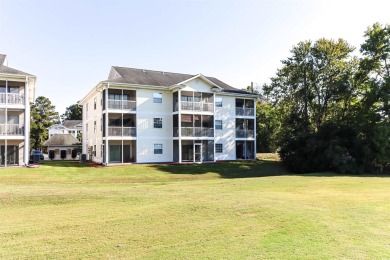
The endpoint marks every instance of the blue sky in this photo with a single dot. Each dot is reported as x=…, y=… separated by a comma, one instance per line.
x=70, y=45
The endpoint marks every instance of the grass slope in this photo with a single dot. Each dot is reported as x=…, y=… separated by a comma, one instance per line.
x=232, y=210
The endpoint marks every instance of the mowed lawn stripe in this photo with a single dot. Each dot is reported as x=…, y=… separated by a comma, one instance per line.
x=189, y=215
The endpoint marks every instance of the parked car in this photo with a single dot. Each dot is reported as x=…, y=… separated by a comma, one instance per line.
x=37, y=152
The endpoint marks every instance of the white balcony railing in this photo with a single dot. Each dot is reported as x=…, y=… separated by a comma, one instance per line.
x=197, y=106
x=122, y=131
x=122, y=104
x=243, y=133
x=11, y=98
x=245, y=111
x=195, y=131
x=11, y=129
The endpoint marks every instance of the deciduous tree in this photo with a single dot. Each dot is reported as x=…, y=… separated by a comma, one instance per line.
x=73, y=112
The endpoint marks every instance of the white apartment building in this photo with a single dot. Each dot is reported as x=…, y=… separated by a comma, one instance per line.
x=73, y=127
x=17, y=91
x=144, y=116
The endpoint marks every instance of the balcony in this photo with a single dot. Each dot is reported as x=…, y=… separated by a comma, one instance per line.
x=122, y=104
x=244, y=133
x=244, y=111
x=122, y=131
x=12, y=98
x=197, y=106
x=194, y=132
x=11, y=129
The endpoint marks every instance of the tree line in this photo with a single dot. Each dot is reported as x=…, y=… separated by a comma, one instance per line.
x=327, y=109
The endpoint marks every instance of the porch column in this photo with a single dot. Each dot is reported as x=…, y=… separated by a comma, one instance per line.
x=106, y=125
x=179, y=123
x=254, y=134
x=26, y=123
x=122, y=127
x=214, y=128
x=6, y=124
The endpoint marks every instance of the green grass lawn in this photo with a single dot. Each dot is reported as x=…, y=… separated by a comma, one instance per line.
x=238, y=210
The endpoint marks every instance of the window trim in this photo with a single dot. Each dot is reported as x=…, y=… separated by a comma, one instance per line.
x=218, y=148
x=158, y=149
x=218, y=102
x=157, y=98
x=156, y=124
x=218, y=126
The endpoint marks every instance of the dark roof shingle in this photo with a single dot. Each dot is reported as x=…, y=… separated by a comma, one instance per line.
x=61, y=140
x=8, y=70
x=159, y=78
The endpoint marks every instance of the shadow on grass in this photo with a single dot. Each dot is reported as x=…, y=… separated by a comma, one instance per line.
x=234, y=169
x=237, y=169
x=64, y=163
x=247, y=169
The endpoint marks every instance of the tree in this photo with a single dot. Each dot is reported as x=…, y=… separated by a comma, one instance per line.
x=333, y=109
x=267, y=127
x=314, y=94
x=73, y=112
x=314, y=81
x=43, y=115
x=374, y=113
x=376, y=63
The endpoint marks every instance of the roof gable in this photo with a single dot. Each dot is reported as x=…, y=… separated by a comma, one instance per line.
x=8, y=70
x=123, y=75
x=71, y=124
x=4, y=69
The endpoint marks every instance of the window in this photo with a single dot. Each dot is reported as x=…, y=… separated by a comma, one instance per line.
x=218, y=124
x=101, y=124
x=114, y=96
x=157, y=97
x=157, y=122
x=186, y=98
x=94, y=103
x=158, y=148
x=94, y=126
x=218, y=148
x=218, y=102
x=86, y=111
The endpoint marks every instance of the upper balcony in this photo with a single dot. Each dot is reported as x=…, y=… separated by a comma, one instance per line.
x=245, y=107
x=245, y=133
x=245, y=128
x=122, y=104
x=12, y=99
x=12, y=93
x=197, y=106
x=122, y=131
x=193, y=101
x=194, y=132
x=121, y=99
x=11, y=130
x=121, y=125
x=193, y=125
